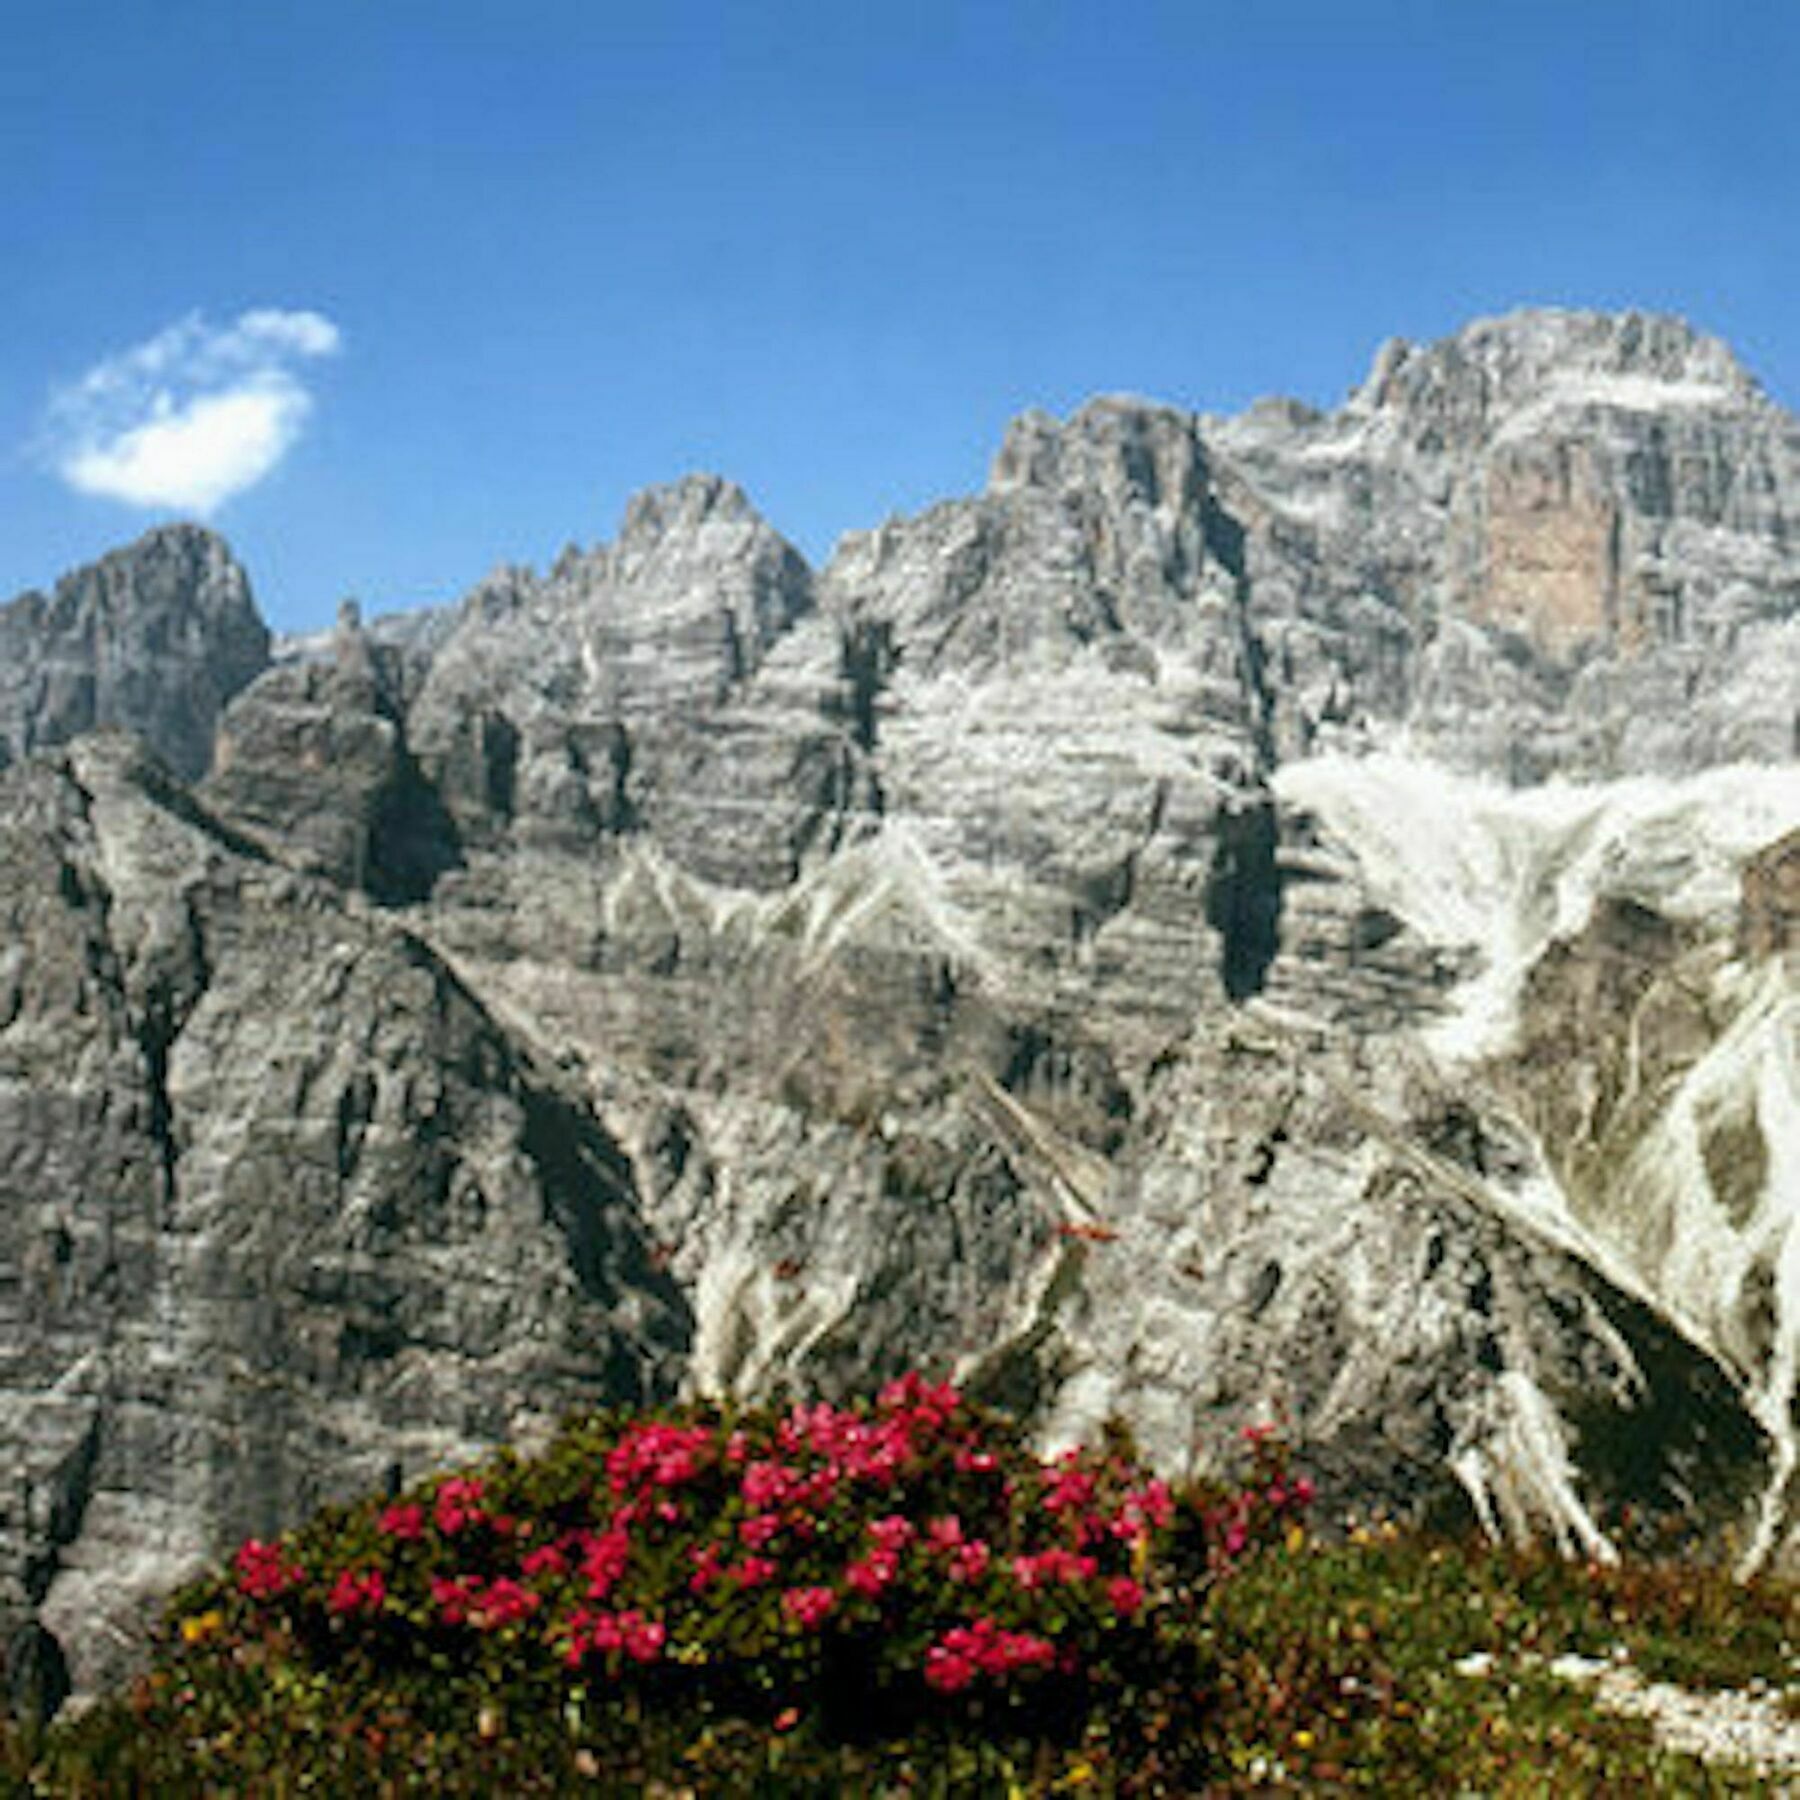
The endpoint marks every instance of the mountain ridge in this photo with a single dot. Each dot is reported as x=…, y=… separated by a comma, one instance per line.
x=1229, y=915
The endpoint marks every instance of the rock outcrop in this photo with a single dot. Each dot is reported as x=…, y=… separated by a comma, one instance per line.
x=1107, y=936
x=153, y=639
x=1557, y=542
x=283, y=1208
x=1769, y=915
x=314, y=758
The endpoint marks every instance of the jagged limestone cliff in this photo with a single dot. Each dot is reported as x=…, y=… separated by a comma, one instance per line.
x=1241, y=913
x=153, y=639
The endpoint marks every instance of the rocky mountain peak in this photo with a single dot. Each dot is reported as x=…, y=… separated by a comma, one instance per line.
x=1555, y=541
x=1640, y=362
x=695, y=548
x=153, y=638
x=197, y=559
x=1127, y=450
x=543, y=708
x=686, y=504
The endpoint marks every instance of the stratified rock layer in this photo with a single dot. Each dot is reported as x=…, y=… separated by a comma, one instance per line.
x=1558, y=542
x=283, y=1209
x=153, y=639
x=1107, y=936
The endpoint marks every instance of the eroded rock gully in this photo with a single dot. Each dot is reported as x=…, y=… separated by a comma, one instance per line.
x=1241, y=913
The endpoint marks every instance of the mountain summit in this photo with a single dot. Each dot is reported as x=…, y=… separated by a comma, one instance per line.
x=1286, y=911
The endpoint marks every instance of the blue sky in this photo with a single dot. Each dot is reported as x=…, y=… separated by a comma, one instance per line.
x=470, y=274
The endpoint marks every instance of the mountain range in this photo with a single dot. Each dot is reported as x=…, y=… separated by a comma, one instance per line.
x=1291, y=915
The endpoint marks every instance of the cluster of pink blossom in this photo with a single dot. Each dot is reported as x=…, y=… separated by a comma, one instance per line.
x=487, y=1605
x=913, y=1395
x=892, y=1532
x=809, y=1607
x=545, y=1562
x=264, y=1570
x=967, y=1557
x=457, y=1505
x=605, y=1555
x=655, y=1454
x=710, y=1569
x=983, y=1648
x=1125, y=1596
x=1268, y=1499
x=910, y=1411
x=753, y=1571
x=872, y=1575
x=354, y=1592
x=760, y=1530
x=1142, y=1511
x=1068, y=1487
x=770, y=1486
x=770, y=1503
x=640, y=1638
x=405, y=1524
x=1053, y=1567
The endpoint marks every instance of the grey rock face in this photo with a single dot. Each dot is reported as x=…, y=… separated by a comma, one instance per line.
x=1082, y=1053
x=313, y=757
x=282, y=1208
x=1104, y=937
x=1556, y=542
x=594, y=703
x=1769, y=915
x=152, y=639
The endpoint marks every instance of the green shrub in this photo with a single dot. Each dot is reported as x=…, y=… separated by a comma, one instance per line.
x=665, y=1590
x=891, y=1597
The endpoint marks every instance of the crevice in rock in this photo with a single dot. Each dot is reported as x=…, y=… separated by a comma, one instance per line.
x=1244, y=886
x=498, y=740
x=32, y=1661
x=1264, y=1287
x=37, y=1674
x=355, y=1111
x=735, y=660
x=1224, y=537
x=169, y=996
x=1243, y=896
x=867, y=661
x=621, y=811
x=156, y=1033
x=412, y=839
x=73, y=1482
x=1102, y=896
x=590, y=1196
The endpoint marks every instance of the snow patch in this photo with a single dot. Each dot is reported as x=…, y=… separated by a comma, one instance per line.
x=1572, y=390
x=1521, y=1474
x=1751, y=1074
x=1471, y=864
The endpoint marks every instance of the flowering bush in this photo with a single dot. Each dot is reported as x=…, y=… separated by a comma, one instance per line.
x=890, y=1598
x=835, y=1575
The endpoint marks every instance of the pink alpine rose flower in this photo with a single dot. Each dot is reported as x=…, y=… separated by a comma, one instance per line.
x=1125, y=1596
x=264, y=1571
x=354, y=1593
x=457, y=1505
x=809, y=1607
x=402, y=1523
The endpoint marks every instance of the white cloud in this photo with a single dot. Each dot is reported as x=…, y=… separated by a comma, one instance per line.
x=305, y=333
x=196, y=456
x=191, y=416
